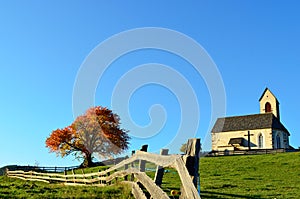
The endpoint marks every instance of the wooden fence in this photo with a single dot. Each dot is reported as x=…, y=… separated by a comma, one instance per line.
x=36, y=168
x=125, y=171
x=248, y=152
x=57, y=169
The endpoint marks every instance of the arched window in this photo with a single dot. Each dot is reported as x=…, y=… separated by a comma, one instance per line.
x=268, y=108
x=260, y=141
x=278, y=141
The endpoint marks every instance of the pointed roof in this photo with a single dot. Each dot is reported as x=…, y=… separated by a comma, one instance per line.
x=248, y=122
x=267, y=89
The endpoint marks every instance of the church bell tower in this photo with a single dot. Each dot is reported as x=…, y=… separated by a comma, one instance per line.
x=269, y=103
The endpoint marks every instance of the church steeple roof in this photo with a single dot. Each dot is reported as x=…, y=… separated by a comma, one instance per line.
x=267, y=89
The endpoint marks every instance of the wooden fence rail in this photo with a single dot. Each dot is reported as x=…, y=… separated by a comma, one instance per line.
x=249, y=152
x=37, y=168
x=121, y=170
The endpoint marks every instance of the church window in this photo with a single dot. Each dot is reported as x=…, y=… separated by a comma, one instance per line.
x=268, y=107
x=260, y=141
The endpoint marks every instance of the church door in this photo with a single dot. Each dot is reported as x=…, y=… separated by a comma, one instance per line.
x=278, y=141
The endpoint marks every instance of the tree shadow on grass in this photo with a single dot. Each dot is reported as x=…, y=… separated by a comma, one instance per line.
x=213, y=194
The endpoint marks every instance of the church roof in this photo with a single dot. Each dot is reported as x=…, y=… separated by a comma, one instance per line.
x=248, y=122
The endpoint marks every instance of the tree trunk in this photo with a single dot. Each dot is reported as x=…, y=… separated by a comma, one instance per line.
x=87, y=161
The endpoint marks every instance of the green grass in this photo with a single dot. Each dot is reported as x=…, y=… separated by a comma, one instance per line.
x=14, y=188
x=256, y=176
x=88, y=170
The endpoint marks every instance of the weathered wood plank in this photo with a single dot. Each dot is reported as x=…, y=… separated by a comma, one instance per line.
x=22, y=178
x=28, y=176
x=155, y=191
x=188, y=187
x=80, y=184
x=164, y=161
x=56, y=174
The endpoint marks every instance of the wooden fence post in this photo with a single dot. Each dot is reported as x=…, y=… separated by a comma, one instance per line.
x=74, y=178
x=132, y=165
x=107, y=175
x=83, y=175
x=31, y=174
x=191, y=159
x=126, y=177
x=159, y=174
x=65, y=173
x=143, y=162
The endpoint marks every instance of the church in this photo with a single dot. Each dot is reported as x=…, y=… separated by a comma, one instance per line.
x=257, y=131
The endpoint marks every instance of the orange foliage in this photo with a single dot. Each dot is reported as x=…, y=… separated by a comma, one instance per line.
x=59, y=136
x=96, y=132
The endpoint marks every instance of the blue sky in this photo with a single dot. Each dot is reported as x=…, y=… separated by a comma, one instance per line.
x=254, y=44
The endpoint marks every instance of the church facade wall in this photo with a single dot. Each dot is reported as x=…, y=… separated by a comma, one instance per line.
x=259, y=139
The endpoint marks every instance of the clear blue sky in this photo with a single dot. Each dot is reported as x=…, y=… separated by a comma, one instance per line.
x=255, y=44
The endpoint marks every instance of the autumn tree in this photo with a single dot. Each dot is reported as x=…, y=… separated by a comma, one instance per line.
x=97, y=132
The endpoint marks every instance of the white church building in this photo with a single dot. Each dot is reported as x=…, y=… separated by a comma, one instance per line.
x=257, y=131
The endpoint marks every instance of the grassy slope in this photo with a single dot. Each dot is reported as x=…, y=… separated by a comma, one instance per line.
x=14, y=188
x=256, y=176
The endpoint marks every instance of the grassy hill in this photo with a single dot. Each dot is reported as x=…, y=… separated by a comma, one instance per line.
x=14, y=188
x=255, y=176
